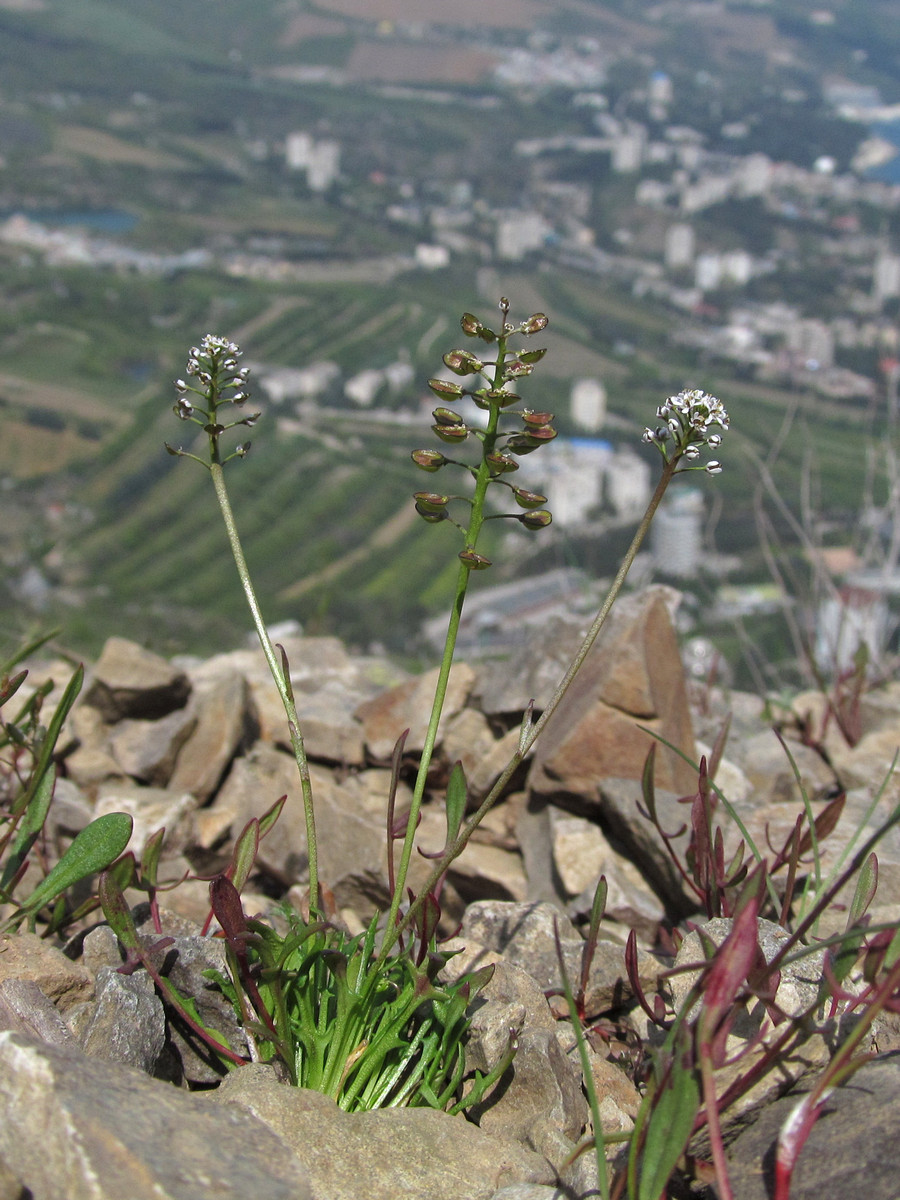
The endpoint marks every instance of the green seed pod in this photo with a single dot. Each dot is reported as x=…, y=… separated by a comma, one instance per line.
x=531, y=356
x=446, y=416
x=528, y=499
x=516, y=369
x=518, y=443
x=431, y=517
x=543, y=433
x=535, y=324
x=461, y=362
x=445, y=389
x=539, y=519
x=428, y=460
x=430, y=501
x=475, y=562
x=501, y=463
x=451, y=433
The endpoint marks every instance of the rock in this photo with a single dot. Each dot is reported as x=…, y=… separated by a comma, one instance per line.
x=224, y=723
x=768, y=768
x=146, y=750
x=389, y=1154
x=408, y=706
x=543, y=1095
x=581, y=854
x=26, y=956
x=350, y=816
x=76, y=1128
x=852, y=1150
x=91, y=761
x=524, y=933
x=125, y=1023
x=25, y=1009
x=633, y=676
x=331, y=732
x=504, y=689
x=129, y=681
x=151, y=809
x=617, y=808
x=753, y=1029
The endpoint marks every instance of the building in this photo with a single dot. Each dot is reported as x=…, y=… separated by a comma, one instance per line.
x=587, y=404
x=677, y=534
x=681, y=246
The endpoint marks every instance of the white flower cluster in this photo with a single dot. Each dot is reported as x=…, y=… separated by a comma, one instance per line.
x=219, y=381
x=687, y=420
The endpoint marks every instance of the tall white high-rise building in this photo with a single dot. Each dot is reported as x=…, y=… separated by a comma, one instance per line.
x=588, y=404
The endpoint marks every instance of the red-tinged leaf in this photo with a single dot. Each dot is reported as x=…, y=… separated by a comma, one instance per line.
x=10, y=685
x=631, y=969
x=426, y=926
x=393, y=832
x=648, y=788
x=718, y=749
x=270, y=816
x=598, y=907
x=824, y=823
x=732, y=964
x=117, y=913
x=229, y=910
x=244, y=855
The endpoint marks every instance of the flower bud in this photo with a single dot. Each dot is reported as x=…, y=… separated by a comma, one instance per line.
x=445, y=389
x=475, y=562
x=528, y=499
x=428, y=460
x=446, y=416
x=461, y=362
x=183, y=409
x=242, y=450
x=539, y=519
x=535, y=324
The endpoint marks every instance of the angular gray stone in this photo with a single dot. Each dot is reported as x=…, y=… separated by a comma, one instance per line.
x=125, y=1023
x=852, y=1151
x=390, y=1154
x=146, y=750
x=25, y=1009
x=76, y=1128
x=129, y=681
x=151, y=809
x=408, y=706
x=525, y=935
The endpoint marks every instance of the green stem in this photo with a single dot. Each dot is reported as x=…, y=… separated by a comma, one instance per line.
x=476, y=520
x=278, y=674
x=530, y=735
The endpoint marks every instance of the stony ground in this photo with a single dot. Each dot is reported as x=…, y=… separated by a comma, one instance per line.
x=102, y=1096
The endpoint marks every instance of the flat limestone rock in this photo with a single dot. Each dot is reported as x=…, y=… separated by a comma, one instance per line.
x=390, y=1154
x=76, y=1128
x=129, y=681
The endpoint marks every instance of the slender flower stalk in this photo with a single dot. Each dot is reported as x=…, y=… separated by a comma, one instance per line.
x=688, y=416
x=214, y=364
x=495, y=398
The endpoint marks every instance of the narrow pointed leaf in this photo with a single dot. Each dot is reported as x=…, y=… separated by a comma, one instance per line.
x=455, y=803
x=244, y=855
x=675, y=1106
